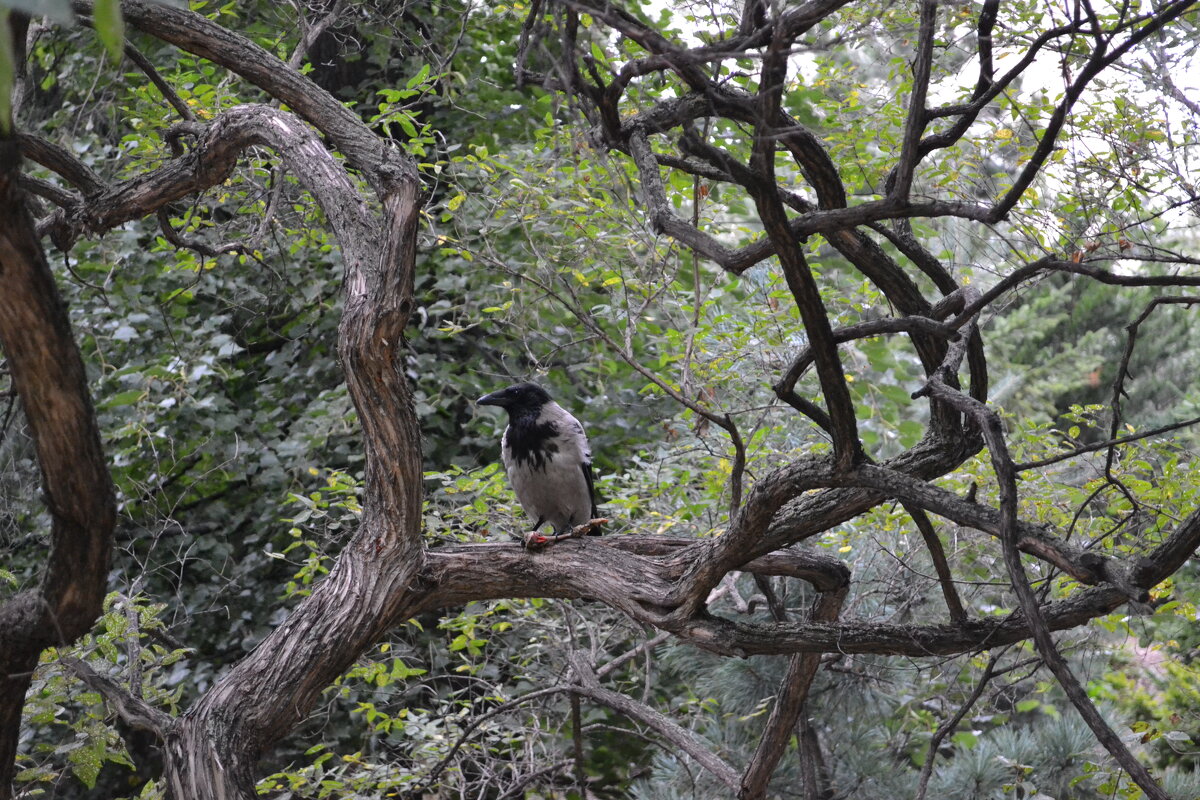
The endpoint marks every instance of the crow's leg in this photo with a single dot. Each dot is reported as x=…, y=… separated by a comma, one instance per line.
x=536, y=541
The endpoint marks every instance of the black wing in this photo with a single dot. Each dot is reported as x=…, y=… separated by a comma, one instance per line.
x=587, y=476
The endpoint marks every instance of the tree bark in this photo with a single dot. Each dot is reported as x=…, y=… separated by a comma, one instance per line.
x=48, y=375
x=213, y=749
x=385, y=574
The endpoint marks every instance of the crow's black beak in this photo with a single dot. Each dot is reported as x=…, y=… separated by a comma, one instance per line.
x=492, y=399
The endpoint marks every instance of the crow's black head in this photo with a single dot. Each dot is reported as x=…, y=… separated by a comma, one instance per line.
x=522, y=397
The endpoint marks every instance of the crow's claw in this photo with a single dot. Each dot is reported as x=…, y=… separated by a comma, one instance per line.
x=535, y=540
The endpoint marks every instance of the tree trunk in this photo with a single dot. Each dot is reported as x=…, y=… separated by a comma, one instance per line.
x=213, y=749
x=48, y=375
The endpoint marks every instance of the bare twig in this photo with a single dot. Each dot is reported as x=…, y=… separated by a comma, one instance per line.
x=433, y=774
x=688, y=742
x=577, y=743
x=1108, y=443
x=947, y=727
x=164, y=88
x=312, y=31
x=1118, y=388
x=1051, y=264
x=940, y=564
x=1006, y=477
x=632, y=653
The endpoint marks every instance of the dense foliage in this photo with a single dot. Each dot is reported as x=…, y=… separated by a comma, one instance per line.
x=210, y=334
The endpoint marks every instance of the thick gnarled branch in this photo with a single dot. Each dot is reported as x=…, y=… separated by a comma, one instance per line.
x=790, y=702
x=638, y=577
x=211, y=159
x=1038, y=622
x=194, y=33
x=48, y=374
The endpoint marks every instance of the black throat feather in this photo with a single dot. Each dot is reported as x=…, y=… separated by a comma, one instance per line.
x=531, y=442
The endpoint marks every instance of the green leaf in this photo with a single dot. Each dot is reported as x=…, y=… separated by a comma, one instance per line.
x=965, y=739
x=110, y=27
x=401, y=671
x=123, y=399
x=86, y=761
x=910, y=432
x=406, y=123
x=419, y=78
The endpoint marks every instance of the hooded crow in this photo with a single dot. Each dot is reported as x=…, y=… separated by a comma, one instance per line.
x=547, y=458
